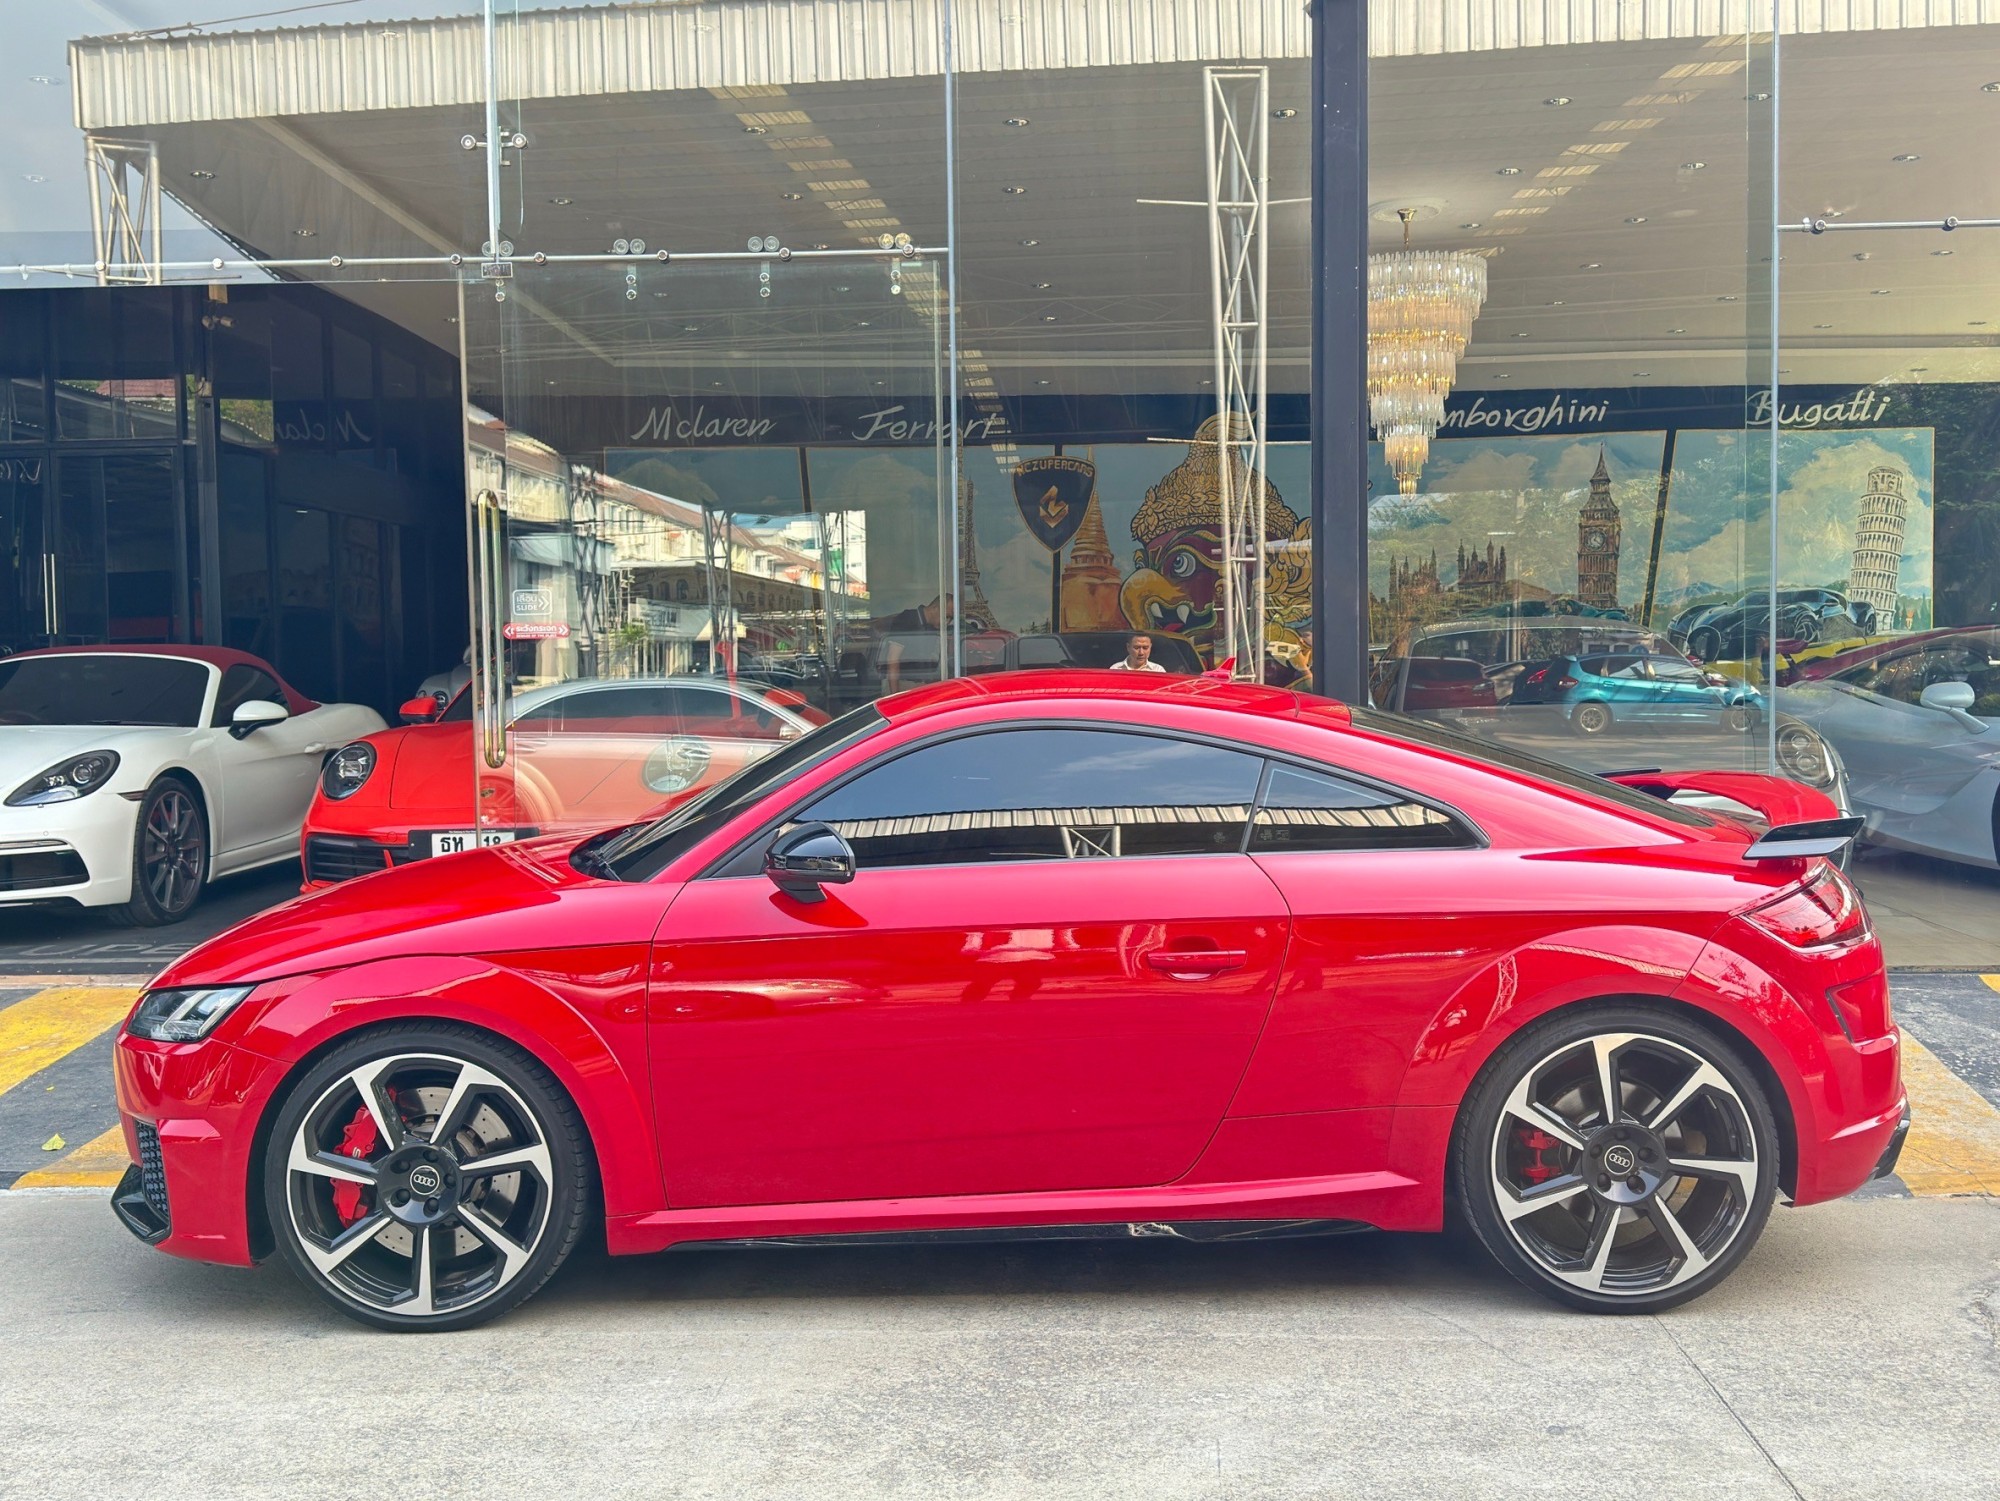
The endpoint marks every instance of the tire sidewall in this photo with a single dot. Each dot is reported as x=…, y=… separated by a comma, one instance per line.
x=554, y=1113
x=1470, y=1184
x=140, y=910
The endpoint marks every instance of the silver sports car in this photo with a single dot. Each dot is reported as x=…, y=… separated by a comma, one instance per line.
x=1918, y=729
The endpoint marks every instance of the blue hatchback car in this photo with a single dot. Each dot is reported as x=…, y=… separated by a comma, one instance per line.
x=1608, y=688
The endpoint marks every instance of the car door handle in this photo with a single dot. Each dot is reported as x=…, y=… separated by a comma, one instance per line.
x=317, y=748
x=1197, y=964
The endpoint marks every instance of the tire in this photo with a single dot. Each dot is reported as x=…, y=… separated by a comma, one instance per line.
x=1739, y=718
x=169, y=856
x=1591, y=718
x=1533, y=1124
x=488, y=1239
x=1705, y=644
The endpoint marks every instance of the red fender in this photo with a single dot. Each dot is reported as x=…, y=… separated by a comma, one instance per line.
x=592, y=1038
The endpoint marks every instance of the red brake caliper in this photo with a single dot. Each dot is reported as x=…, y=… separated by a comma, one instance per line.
x=358, y=1140
x=1537, y=1141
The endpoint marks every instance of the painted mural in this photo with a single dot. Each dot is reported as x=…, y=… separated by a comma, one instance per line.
x=1623, y=526
x=1145, y=548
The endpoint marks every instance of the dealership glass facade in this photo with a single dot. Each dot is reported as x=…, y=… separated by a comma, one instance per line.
x=830, y=346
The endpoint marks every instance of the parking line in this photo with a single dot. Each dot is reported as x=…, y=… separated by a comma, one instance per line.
x=1954, y=1143
x=38, y=1031
x=98, y=1163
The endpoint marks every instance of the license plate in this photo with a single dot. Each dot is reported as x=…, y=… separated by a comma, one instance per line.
x=458, y=841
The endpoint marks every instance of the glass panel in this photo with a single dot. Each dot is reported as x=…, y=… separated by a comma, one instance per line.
x=117, y=373
x=24, y=580
x=24, y=411
x=686, y=481
x=1889, y=376
x=117, y=539
x=1569, y=518
x=1113, y=327
x=246, y=553
x=305, y=600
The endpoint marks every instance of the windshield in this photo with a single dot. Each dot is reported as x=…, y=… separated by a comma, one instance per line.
x=643, y=850
x=80, y=688
x=1425, y=732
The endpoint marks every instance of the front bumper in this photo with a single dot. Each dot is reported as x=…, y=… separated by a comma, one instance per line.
x=333, y=858
x=190, y=1112
x=79, y=851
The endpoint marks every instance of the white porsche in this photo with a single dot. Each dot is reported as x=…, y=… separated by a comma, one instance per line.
x=130, y=776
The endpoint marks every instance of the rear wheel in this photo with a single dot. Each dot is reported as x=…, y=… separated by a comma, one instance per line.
x=1591, y=718
x=169, y=857
x=1618, y=1160
x=1740, y=718
x=1705, y=644
x=426, y=1178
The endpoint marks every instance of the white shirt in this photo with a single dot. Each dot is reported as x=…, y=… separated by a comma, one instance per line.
x=1122, y=665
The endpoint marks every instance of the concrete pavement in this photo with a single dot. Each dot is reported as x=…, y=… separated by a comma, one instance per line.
x=1853, y=1356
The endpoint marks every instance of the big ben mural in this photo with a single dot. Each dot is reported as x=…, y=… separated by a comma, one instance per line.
x=1597, y=540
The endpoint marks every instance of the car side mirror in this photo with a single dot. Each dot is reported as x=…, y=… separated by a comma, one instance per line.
x=420, y=710
x=253, y=714
x=1950, y=697
x=808, y=858
x=1955, y=699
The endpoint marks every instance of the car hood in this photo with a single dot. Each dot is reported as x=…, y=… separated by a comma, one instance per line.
x=29, y=749
x=514, y=899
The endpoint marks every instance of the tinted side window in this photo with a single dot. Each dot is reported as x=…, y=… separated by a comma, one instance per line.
x=1045, y=794
x=1311, y=810
x=718, y=712
x=241, y=684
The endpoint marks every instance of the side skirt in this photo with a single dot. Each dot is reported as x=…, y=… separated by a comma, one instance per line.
x=1195, y=1230
x=1188, y=1211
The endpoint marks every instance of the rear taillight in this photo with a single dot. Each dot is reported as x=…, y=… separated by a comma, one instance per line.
x=1565, y=681
x=1827, y=909
x=1538, y=674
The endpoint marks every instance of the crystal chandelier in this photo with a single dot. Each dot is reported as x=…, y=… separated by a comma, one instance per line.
x=1421, y=304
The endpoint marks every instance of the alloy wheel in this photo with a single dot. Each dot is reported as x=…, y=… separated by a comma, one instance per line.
x=1625, y=1165
x=420, y=1185
x=1591, y=719
x=173, y=850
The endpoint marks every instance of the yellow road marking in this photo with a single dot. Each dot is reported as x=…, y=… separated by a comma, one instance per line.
x=99, y=1163
x=1992, y=980
x=1954, y=1143
x=38, y=1031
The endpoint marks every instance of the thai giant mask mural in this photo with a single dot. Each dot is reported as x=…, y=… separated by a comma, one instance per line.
x=1173, y=591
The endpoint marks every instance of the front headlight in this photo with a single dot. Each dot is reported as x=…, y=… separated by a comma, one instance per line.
x=347, y=770
x=66, y=781
x=184, y=1015
x=1803, y=756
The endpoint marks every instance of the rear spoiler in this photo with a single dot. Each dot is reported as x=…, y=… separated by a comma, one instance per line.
x=1802, y=820
x=1798, y=841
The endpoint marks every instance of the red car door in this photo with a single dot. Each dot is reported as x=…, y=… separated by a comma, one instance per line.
x=1049, y=972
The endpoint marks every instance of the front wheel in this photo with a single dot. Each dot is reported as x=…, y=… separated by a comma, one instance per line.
x=169, y=857
x=426, y=1177
x=1705, y=645
x=1618, y=1161
x=1740, y=718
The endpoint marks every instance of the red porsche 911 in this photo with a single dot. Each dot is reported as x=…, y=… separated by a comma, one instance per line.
x=1049, y=954
x=585, y=754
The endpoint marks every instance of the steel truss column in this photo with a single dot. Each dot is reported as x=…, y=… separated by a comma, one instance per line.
x=124, y=210
x=1237, y=115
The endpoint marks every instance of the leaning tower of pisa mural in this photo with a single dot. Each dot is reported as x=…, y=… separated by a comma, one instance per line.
x=1875, y=575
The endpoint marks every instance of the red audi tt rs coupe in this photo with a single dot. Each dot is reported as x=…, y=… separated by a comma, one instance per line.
x=1042, y=955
